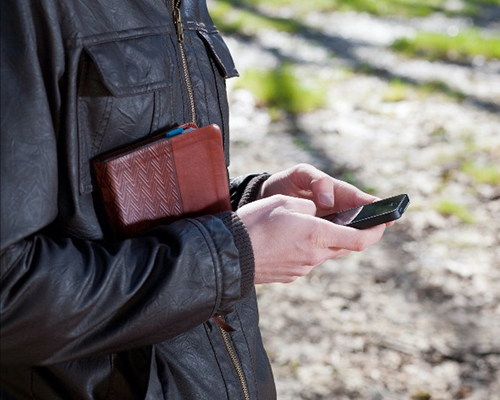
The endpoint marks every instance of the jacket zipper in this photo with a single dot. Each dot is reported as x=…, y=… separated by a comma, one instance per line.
x=180, y=38
x=236, y=363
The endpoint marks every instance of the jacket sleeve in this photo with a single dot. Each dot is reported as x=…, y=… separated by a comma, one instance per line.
x=63, y=297
x=244, y=189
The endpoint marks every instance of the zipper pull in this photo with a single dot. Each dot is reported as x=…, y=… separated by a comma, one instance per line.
x=178, y=24
x=222, y=324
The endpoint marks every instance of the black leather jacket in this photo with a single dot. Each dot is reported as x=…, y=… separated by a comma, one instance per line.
x=83, y=316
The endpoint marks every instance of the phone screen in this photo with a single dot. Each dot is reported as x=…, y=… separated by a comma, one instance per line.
x=380, y=211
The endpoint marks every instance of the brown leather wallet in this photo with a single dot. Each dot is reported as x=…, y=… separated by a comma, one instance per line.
x=162, y=179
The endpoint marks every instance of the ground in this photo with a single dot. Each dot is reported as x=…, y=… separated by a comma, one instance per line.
x=416, y=316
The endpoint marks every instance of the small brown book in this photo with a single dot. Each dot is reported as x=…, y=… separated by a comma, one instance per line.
x=177, y=174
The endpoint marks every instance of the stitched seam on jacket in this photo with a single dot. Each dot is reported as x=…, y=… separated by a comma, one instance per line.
x=203, y=80
x=32, y=393
x=112, y=376
x=118, y=36
x=217, y=75
x=217, y=359
x=103, y=126
x=248, y=349
x=215, y=260
x=20, y=254
x=156, y=111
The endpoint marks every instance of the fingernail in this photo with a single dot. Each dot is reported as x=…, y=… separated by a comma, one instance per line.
x=326, y=199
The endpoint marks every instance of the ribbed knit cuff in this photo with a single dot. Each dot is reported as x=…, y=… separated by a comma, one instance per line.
x=244, y=246
x=252, y=190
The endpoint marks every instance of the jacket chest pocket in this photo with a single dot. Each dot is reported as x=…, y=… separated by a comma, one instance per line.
x=124, y=87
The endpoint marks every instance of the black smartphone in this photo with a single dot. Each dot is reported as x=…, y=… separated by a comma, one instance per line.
x=372, y=214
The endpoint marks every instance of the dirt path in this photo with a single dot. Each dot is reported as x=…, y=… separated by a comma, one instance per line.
x=417, y=316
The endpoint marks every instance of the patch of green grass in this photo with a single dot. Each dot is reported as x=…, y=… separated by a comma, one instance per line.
x=493, y=2
x=451, y=208
x=303, y=144
x=248, y=16
x=280, y=89
x=397, y=91
x=439, y=133
x=368, y=69
x=421, y=396
x=300, y=5
x=230, y=19
x=462, y=47
x=437, y=86
x=485, y=174
x=404, y=8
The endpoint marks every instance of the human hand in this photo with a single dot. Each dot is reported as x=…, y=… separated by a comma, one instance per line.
x=289, y=240
x=305, y=181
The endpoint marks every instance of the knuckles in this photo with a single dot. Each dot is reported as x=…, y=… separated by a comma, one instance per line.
x=366, y=239
x=289, y=279
x=359, y=243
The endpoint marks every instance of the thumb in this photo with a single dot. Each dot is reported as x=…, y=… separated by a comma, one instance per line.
x=319, y=183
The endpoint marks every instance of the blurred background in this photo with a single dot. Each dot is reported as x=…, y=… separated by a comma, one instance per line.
x=394, y=96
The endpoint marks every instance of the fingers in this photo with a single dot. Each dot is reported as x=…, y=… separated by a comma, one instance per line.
x=348, y=196
x=358, y=240
x=287, y=238
x=292, y=272
x=320, y=184
x=305, y=181
x=327, y=192
x=322, y=189
x=333, y=236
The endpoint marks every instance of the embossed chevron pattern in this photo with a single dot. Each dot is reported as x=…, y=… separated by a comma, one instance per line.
x=143, y=184
x=159, y=180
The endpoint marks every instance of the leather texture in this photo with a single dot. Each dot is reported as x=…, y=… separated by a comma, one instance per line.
x=140, y=188
x=201, y=172
x=85, y=316
x=158, y=181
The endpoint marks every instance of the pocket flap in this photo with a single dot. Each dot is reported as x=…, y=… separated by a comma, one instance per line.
x=134, y=66
x=220, y=52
